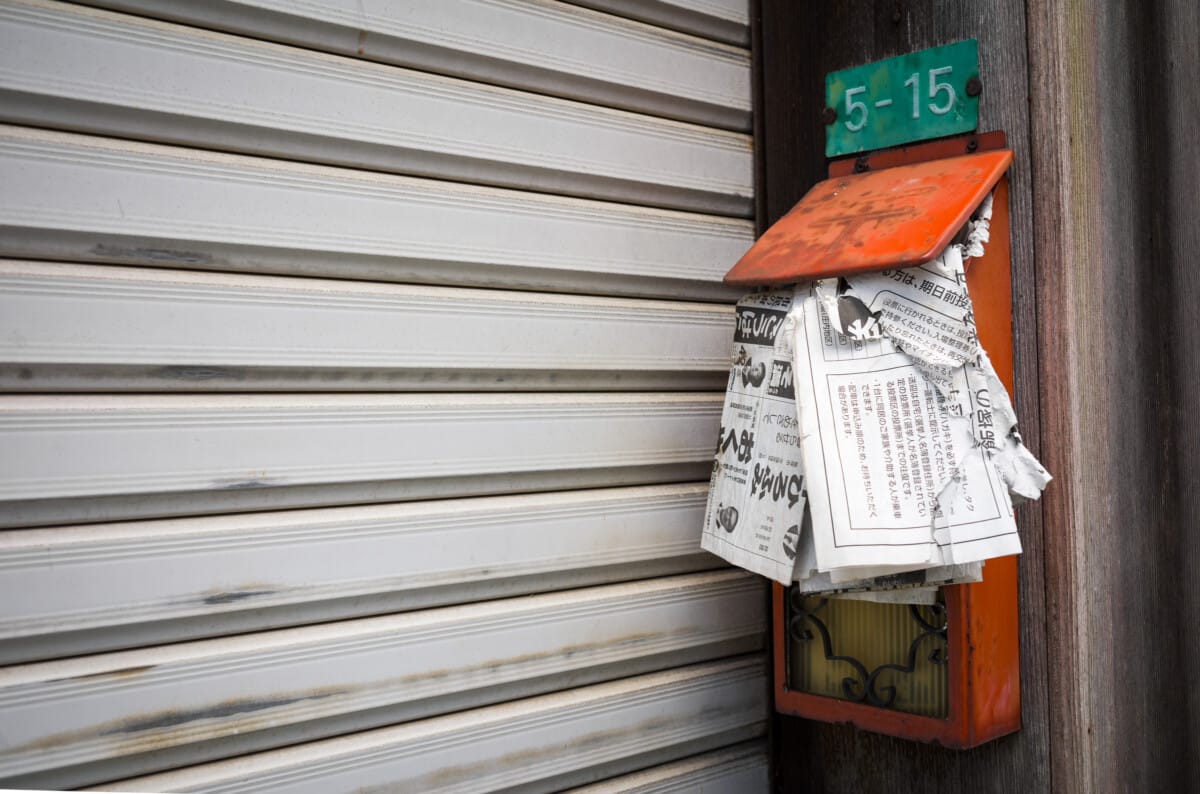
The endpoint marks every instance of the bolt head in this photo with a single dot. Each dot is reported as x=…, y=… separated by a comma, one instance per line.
x=828, y=115
x=974, y=87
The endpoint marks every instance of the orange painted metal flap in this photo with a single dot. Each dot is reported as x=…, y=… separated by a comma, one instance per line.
x=891, y=218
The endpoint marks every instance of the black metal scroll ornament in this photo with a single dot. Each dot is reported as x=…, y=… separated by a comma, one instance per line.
x=863, y=686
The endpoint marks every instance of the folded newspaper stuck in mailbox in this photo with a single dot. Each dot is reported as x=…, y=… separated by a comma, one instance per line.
x=867, y=447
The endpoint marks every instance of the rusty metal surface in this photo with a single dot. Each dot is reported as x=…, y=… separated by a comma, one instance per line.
x=104, y=587
x=892, y=218
x=85, y=720
x=545, y=743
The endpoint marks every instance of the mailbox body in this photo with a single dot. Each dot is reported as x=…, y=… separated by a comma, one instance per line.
x=982, y=630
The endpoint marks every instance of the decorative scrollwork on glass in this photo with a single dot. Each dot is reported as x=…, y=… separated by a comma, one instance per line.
x=864, y=686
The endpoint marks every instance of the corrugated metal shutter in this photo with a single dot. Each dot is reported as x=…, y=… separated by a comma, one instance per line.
x=361, y=365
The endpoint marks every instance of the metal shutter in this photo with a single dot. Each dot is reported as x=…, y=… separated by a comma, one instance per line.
x=361, y=362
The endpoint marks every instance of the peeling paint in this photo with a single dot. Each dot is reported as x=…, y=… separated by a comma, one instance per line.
x=140, y=733
x=233, y=484
x=234, y=596
x=125, y=672
x=113, y=252
x=198, y=373
x=170, y=719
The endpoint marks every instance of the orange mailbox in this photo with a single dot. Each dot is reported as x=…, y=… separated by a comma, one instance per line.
x=894, y=209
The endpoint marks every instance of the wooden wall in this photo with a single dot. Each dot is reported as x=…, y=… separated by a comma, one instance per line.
x=1100, y=104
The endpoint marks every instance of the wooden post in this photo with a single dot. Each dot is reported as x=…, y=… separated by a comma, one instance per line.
x=1101, y=107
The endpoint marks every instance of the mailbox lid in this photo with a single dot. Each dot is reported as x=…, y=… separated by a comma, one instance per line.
x=890, y=218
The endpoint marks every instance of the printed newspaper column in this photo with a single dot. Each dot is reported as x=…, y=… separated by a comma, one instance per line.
x=756, y=498
x=895, y=404
x=927, y=312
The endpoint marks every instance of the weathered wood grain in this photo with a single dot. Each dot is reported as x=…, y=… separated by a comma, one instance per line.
x=1052, y=234
x=1100, y=103
x=1114, y=104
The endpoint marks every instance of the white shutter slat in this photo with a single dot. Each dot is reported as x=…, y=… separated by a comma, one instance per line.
x=71, y=458
x=360, y=367
x=167, y=330
x=85, y=198
x=65, y=591
x=547, y=47
x=246, y=693
x=741, y=769
x=75, y=68
x=544, y=744
x=724, y=20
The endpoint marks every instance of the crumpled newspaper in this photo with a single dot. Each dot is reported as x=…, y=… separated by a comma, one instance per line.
x=909, y=450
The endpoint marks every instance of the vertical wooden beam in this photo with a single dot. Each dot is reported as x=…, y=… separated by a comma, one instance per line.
x=1054, y=232
x=1101, y=104
x=1114, y=104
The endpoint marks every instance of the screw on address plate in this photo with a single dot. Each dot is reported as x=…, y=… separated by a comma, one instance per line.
x=972, y=145
x=828, y=115
x=862, y=163
x=974, y=87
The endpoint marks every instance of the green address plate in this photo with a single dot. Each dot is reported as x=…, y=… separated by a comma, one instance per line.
x=926, y=94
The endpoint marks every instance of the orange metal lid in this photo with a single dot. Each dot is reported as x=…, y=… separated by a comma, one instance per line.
x=895, y=217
